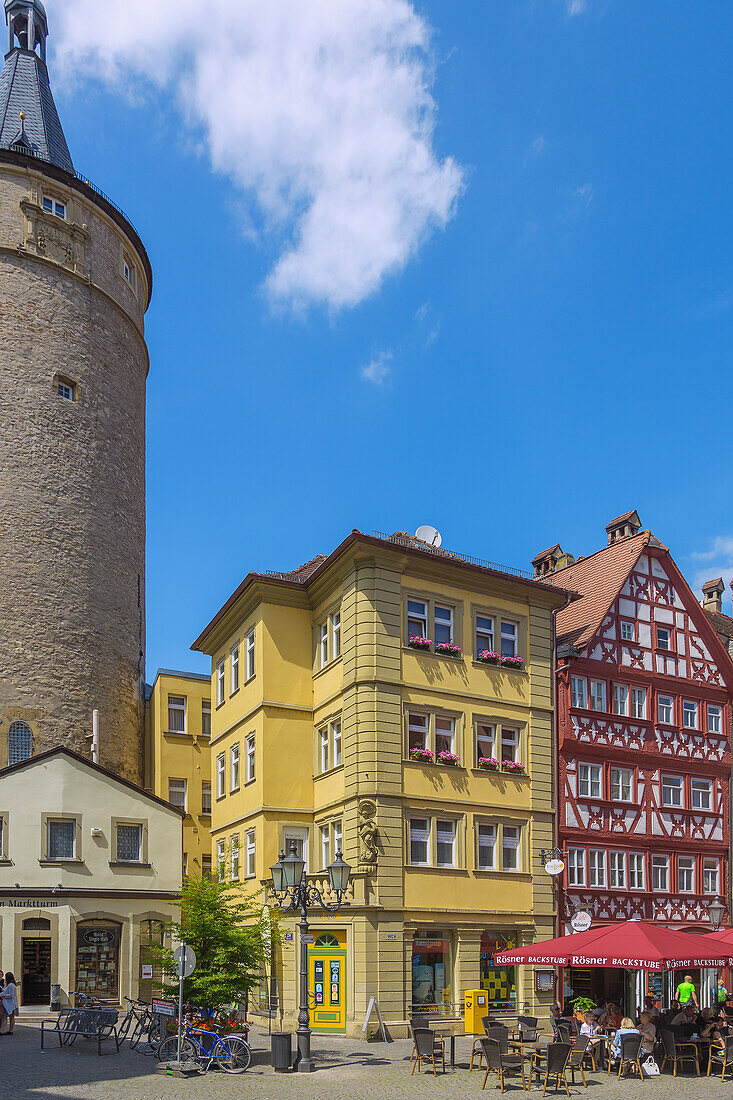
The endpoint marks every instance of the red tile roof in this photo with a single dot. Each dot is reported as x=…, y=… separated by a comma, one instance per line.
x=723, y=624
x=598, y=578
x=546, y=553
x=620, y=519
x=716, y=582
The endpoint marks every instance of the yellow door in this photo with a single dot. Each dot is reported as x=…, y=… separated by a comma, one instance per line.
x=327, y=980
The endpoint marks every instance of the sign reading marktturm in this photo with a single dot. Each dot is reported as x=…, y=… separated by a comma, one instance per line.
x=28, y=903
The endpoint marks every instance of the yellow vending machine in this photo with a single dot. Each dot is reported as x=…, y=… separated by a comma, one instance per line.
x=475, y=1008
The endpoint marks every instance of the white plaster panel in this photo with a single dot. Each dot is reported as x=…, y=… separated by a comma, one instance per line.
x=671, y=666
x=660, y=663
x=642, y=566
x=663, y=615
x=681, y=644
x=644, y=612
x=583, y=816
x=626, y=657
x=640, y=827
x=609, y=631
x=648, y=663
x=656, y=827
x=570, y=816
x=682, y=669
x=596, y=654
x=626, y=590
x=677, y=601
x=680, y=620
x=717, y=833
x=627, y=608
x=708, y=655
x=645, y=635
x=657, y=569
x=572, y=784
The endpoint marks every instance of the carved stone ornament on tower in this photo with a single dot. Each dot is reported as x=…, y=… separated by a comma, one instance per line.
x=368, y=835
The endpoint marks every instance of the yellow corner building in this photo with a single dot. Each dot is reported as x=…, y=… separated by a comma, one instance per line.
x=352, y=709
x=178, y=760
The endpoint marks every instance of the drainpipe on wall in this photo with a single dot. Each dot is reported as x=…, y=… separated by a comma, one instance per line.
x=95, y=736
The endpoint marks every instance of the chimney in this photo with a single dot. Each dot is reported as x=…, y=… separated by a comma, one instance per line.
x=623, y=527
x=712, y=595
x=549, y=560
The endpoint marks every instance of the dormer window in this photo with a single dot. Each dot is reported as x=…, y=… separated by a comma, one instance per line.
x=53, y=206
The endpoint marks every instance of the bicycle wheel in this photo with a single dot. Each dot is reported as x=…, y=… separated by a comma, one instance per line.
x=137, y=1033
x=168, y=1050
x=240, y=1055
x=156, y=1029
x=124, y=1029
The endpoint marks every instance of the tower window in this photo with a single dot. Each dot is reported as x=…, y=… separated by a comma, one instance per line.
x=129, y=272
x=20, y=742
x=53, y=206
x=66, y=390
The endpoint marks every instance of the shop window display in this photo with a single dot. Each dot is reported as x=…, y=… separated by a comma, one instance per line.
x=500, y=982
x=432, y=975
x=97, y=959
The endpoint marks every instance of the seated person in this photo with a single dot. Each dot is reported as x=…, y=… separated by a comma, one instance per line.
x=683, y=1024
x=626, y=1028
x=650, y=1006
x=707, y=1027
x=648, y=1033
x=596, y=1045
x=608, y=1017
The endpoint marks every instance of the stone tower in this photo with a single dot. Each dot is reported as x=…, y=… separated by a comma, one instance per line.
x=75, y=282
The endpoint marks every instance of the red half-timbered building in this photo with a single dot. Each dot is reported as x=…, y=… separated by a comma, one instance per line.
x=644, y=740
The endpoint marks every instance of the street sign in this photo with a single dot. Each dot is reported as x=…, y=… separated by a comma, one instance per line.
x=555, y=867
x=185, y=961
x=307, y=939
x=391, y=936
x=164, y=1008
x=581, y=921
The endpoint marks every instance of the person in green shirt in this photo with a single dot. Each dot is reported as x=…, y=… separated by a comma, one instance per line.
x=722, y=992
x=686, y=992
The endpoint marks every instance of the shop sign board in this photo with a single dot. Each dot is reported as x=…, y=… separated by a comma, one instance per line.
x=146, y=971
x=164, y=1008
x=581, y=921
x=28, y=903
x=99, y=936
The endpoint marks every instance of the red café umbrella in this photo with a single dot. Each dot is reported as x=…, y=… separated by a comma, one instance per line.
x=722, y=936
x=629, y=945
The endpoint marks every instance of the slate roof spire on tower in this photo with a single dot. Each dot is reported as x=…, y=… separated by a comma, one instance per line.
x=25, y=87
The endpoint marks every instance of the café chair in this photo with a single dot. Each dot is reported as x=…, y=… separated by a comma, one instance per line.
x=630, y=1055
x=427, y=1050
x=578, y=1056
x=556, y=1065
x=674, y=1052
x=418, y=1024
x=723, y=1055
x=501, y=1063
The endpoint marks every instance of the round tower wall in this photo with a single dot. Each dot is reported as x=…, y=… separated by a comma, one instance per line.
x=73, y=294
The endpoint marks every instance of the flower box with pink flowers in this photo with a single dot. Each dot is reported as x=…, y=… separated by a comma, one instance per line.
x=416, y=641
x=488, y=657
x=423, y=756
x=449, y=758
x=512, y=662
x=488, y=763
x=448, y=649
x=513, y=766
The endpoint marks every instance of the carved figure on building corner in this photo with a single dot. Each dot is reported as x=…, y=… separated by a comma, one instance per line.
x=368, y=834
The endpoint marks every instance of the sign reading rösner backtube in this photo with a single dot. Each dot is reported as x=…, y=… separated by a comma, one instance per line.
x=507, y=958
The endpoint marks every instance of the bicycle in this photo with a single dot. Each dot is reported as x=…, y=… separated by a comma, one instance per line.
x=230, y=1052
x=141, y=1020
x=82, y=1001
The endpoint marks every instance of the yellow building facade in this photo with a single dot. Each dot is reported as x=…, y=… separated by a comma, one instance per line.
x=328, y=727
x=177, y=757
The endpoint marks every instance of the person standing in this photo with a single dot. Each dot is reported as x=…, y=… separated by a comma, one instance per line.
x=722, y=993
x=9, y=1001
x=686, y=992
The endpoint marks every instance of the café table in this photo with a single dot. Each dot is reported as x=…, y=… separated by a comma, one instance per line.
x=450, y=1029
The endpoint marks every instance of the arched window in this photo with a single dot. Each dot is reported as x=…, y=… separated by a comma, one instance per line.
x=36, y=924
x=327, y=940
x=20, y=742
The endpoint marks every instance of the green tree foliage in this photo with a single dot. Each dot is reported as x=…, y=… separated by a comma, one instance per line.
x=225, y=929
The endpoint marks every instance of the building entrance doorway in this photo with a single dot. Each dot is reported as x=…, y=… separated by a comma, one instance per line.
x=36, y=981
x=327, y=973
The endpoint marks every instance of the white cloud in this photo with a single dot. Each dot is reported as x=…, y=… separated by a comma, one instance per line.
x=718, y=559
x=575, y=7
x=320, y=112
x=379, y=370
x=538, y=145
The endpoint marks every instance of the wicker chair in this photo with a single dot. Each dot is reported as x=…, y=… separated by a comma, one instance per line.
x=630, y=1055
x=477, y=1049
x=723, y=1055
x=558, y=1056
x=417, y=1023
x=674, y=1052
x=427, y=1050
x=501, y=1063
x=579, y=1054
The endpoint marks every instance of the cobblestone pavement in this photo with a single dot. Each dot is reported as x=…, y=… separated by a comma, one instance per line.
x=347, y=1068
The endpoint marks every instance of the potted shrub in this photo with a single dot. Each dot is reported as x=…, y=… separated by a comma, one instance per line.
x=513, y=766
x=488, y=657
x=488, y=763
x=581, y=1005
x=449, y=758
x=512, y=662
x=448, y=649
x=416, y=641
x=425, y=756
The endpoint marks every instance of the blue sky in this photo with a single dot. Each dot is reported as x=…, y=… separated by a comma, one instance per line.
x=552, y=350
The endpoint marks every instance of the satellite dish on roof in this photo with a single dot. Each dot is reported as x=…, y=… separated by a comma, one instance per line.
x=429, y=535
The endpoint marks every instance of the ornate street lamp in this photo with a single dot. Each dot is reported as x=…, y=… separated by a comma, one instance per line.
x=293, y=892
x=716, y=913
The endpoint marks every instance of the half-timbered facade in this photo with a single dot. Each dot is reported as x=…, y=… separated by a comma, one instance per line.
x=644, y=748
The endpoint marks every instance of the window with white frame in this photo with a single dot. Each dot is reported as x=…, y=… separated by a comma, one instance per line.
x=177, y=793
x=221, y=777
x=485, y=741
x=336, y=742
x=66, y=389
x=129, y=843
x=710, y=876
x=443, y=624
x=325, y=846
x=671, y=790
x=55, y=207
x=576, y=867
x=206, y=718
x=324, y=749
x=298, y=838
x=715, y=714
x=664, y=638
x=221, y=853
x=638, y=702
x=61, y=842
x=665, y=710
x=234, y=767
x=589, y=781
x=627, y=631
x=250, y=853
x=511, y=838
x=508, y=639
x=220, y=672
x=617, y=870
x=177, y=713
x=338, y=838
x=622, y=784
x=579, y=692
x=420, y=841
x=686, y=874
x=336, y=635
x=598, y=695
x=701, y=794
x=636, y=871
x=509, y=745
x=250, y=750
x=445, y=850
x=445, y=735
x=597, y=868
x=250, y=654
x=660, y=873
x=486, y=847
x=323, y=644
x=689, y=714
x=206, y=797
x=234, y=668
x=417, y=618
x=417, y=730
x=484, y=634
x=621, y=699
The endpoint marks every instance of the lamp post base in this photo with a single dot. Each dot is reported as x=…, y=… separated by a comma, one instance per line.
x=306, y=1065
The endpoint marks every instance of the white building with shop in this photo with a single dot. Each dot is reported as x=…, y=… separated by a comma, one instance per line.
x=90, y=866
